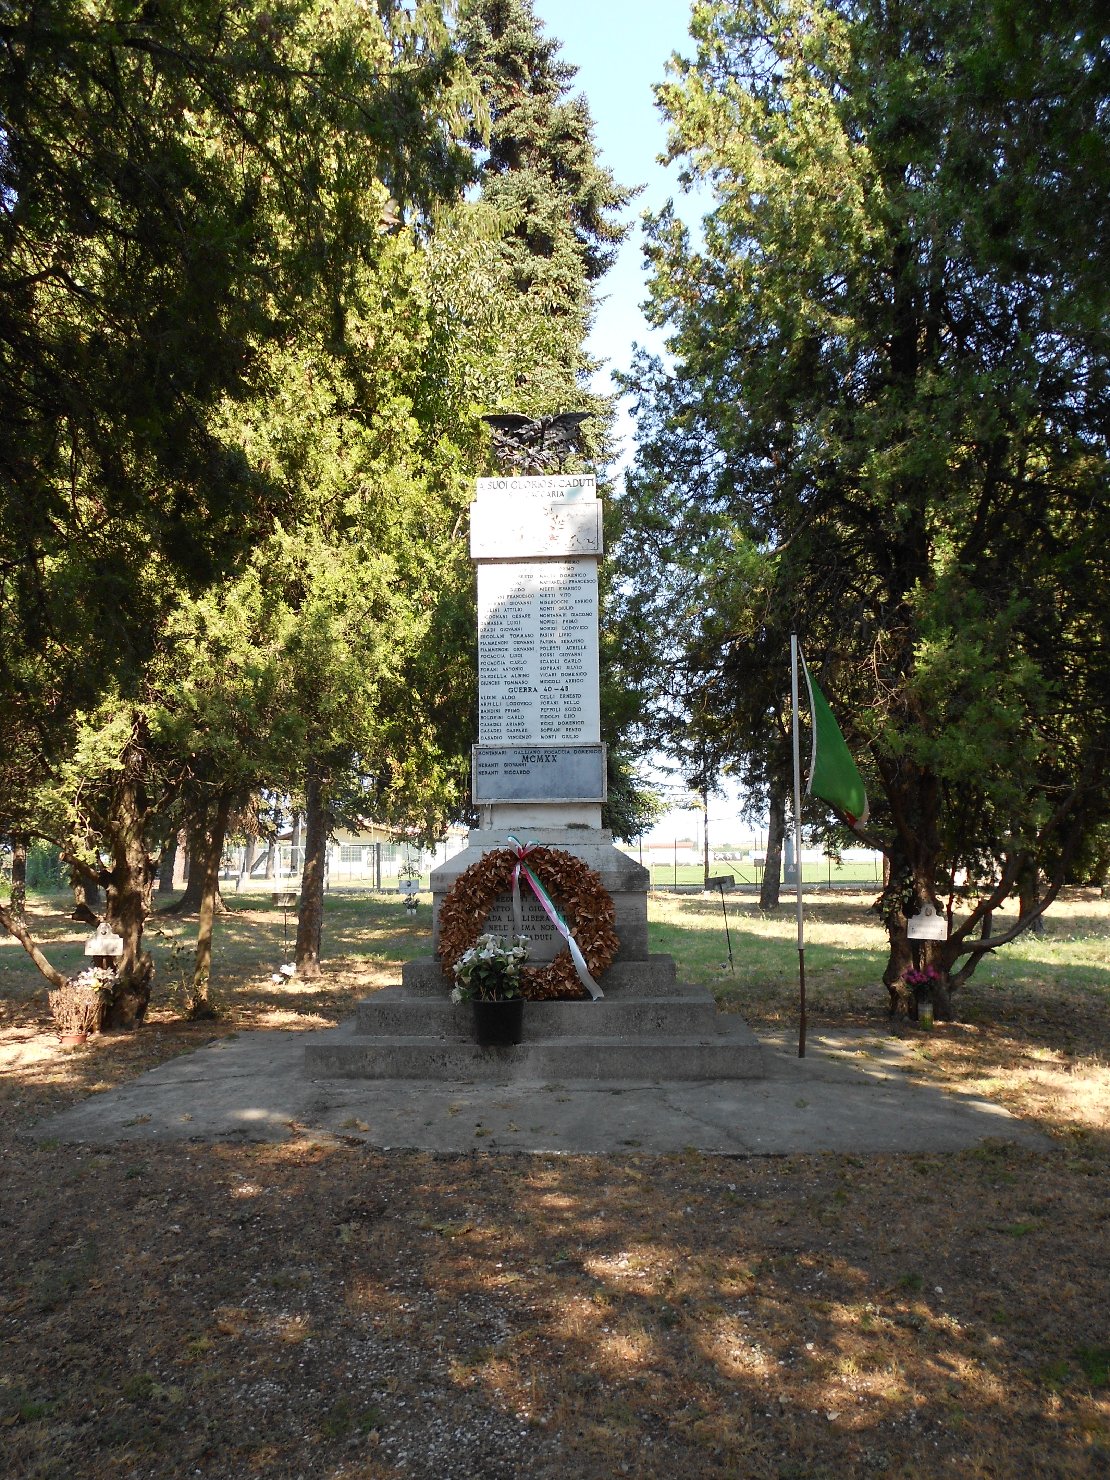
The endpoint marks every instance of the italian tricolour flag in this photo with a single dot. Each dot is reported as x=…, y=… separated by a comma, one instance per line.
x=832, y=772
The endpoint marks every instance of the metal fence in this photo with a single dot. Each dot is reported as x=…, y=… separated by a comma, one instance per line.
x=823, y=872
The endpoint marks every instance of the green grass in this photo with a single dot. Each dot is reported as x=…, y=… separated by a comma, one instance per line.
x=846, y=954
x=845, y=949
x=251, y=940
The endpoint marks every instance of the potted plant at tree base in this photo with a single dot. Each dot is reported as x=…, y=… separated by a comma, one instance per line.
x=488, y=976
x=79, y=1007
x=920, y=981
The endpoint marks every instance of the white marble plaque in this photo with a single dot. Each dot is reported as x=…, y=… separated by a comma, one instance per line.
x=537, y=653
x=538, y=773
x=927, y=925
x=545, y=941
x=565, y=486
x=519, y=529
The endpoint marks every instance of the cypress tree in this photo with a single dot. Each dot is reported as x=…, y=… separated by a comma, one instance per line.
x=539, y=170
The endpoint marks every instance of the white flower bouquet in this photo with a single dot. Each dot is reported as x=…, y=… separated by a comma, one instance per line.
x=490, y=970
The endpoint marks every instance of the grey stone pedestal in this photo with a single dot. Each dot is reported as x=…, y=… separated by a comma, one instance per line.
x=536, y=542
x=648, y=1028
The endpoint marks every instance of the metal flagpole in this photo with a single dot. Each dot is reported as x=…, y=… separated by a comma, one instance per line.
x=798, y=845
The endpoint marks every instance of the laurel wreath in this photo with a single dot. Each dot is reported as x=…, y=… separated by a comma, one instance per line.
x=577, y=891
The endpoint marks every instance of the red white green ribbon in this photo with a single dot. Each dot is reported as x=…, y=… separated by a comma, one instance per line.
x=520, y=867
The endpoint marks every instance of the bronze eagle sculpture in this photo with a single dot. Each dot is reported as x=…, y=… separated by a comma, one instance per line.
x=526, y=445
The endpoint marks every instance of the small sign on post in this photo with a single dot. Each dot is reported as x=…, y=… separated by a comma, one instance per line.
x=410, y=888
x=104, y=942
x=927, y=925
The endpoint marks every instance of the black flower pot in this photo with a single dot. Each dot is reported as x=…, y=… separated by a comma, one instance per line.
x=497, y=1024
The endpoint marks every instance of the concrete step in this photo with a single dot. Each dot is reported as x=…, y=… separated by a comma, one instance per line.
x=730, y=1053
x=676, y=1015
x=648, y=1027
x=424, y=977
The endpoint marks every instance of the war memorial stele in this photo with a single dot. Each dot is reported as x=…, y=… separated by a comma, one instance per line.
x=539, y=778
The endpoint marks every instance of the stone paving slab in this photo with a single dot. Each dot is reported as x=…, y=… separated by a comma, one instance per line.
x=849, y=1094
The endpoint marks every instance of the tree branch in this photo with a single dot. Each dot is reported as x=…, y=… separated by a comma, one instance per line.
x=991, y=901
x=1022, y=923
x=16, y=927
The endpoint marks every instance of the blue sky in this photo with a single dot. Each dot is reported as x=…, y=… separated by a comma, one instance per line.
x=621, y=49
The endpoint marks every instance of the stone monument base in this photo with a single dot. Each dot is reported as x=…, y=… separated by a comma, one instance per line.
x=649, y=1028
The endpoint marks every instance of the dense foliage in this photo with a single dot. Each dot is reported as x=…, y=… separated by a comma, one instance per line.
x=885, y=426
x=539, y=171
x=173, y=204
x=252, y=308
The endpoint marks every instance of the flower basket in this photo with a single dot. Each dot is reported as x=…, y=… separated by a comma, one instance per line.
x=490, y=970
x=920, y=981
x=488, y=977
x=81, y=1005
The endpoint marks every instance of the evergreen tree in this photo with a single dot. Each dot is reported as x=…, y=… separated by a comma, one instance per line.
x=886, y=424
x=297, y=618
x=539, y=172
x=172, y=201
x=193, y=206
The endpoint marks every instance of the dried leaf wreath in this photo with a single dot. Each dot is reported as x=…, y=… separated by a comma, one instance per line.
x=577, y=891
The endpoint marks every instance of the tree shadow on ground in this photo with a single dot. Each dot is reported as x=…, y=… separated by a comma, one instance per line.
x=498, y=1315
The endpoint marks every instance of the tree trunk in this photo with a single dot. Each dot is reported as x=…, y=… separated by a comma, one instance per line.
x=310, y=920
x=198, y=832
x=130, y=881
x=906, y=954
x=86, y=899
x=15, y=926
x=206, y=868
x=1029, y=894
x=249, y=849
x=19, y=876
x=168, y=864
x=913, y=875
x=271, y=853
x=772, y=866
